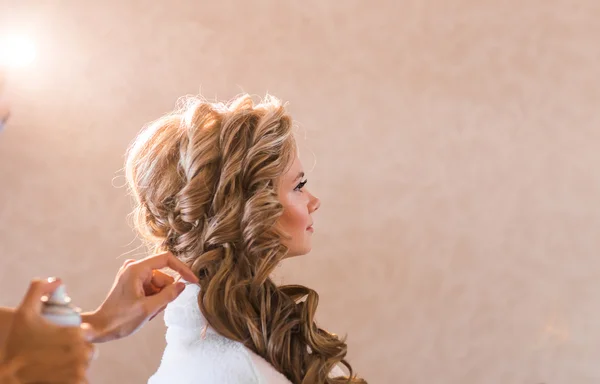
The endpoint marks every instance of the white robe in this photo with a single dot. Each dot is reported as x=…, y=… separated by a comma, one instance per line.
x=197, y=354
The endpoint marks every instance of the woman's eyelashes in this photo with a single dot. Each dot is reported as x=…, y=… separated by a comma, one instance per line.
x=300, y=185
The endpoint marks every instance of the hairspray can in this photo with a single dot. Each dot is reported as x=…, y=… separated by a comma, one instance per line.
x=57, y=309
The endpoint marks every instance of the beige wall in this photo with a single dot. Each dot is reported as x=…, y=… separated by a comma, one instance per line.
x=457, y=147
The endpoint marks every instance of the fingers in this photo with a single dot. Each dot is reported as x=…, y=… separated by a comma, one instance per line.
x=37, y=289
x=95, y=352
x=78, y=343
x=91, y=352
x=82, y=350
x=167, y=259
x=88, y=332
x=157, y=302
x=127, y=262
x=157, y=312
x=159, y=280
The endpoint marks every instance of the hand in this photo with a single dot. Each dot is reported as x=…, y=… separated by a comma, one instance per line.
x=39, y=351
x=139, y=293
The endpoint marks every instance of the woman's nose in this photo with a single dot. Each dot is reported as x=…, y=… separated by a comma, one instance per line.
x=314, y=203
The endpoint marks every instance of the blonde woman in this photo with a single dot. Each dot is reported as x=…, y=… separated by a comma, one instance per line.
x=221, y=187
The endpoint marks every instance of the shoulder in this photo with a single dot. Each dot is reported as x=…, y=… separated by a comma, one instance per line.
x=196, y=353
x=212, y=360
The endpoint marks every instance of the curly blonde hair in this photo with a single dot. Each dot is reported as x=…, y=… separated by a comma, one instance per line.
x=204, y=179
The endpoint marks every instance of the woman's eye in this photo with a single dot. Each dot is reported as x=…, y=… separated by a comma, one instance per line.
x=300, y=185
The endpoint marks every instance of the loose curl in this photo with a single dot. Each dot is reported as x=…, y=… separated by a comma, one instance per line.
x=204, y=179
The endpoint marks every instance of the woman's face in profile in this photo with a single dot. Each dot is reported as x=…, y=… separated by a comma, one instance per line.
x=298, y=206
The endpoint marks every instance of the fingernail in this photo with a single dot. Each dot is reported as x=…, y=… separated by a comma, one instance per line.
x=180, y=287
x=52, y=279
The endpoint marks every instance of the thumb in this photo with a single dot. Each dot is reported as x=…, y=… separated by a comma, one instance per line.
x=37, y=289
x=164, y=297
x=88, y=332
